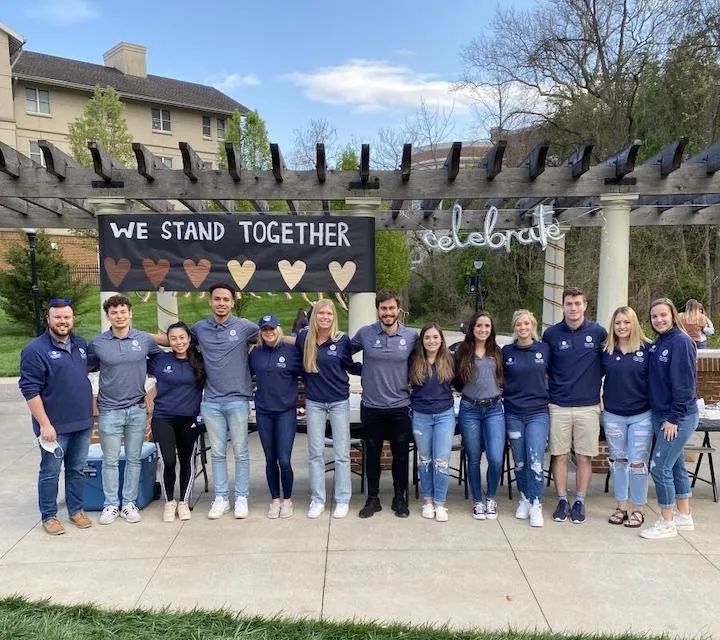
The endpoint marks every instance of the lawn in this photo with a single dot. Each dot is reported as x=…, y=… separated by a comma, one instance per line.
x=191, y=309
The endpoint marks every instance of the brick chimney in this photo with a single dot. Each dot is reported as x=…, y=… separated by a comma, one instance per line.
x=128, y=58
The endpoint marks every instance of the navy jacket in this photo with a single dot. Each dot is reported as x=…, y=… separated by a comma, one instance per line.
x=334, y=362
x=276, y=372
x=673, y=375
x=525, y=392
x=178, y=393
x=625, y=391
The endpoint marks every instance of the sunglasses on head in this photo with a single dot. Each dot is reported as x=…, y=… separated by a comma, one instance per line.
x=60, y=301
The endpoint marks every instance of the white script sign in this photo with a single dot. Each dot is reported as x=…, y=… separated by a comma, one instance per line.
x=488, y=237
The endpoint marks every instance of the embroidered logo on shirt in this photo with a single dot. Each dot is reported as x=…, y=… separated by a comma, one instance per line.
x=539, y=358
x=510, y=361
x=83, y=355
x=402, y=342
x=663, y=356
x=589, y=342
x=281, y=362
x=54, y=354
x=563, y=345
x=168, y=369
x=652, y=348
x=233, y=336
x=639, y=356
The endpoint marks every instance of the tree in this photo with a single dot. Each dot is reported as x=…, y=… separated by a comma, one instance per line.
x=249, y=133
x=392, y=260
x=304, y=155
x=103, y=121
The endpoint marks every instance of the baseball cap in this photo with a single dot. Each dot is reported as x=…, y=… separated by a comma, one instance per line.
x=268, y=320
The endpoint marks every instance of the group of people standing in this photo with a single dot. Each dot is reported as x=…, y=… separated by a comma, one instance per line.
x=536, y=393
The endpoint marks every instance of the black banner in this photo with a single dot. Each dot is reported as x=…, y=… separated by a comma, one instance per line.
x=190, y=252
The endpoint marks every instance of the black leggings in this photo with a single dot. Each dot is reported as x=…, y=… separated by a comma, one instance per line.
x=171, y=434
x=386, y=424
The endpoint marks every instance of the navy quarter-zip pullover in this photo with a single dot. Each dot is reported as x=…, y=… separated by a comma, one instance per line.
x=276, y=371
x=525, y=392
x=672, y=371
x=625, y=390
x=334, y=362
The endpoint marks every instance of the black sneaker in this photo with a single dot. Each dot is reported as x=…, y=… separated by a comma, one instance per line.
x=562, y=512
x=399, y=506
x=577, y=513
x=372, y=506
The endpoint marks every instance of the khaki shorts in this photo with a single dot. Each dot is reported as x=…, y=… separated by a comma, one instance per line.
x=574, y=427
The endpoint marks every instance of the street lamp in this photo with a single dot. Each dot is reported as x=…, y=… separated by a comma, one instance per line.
x=32, y=243
x=478, y=264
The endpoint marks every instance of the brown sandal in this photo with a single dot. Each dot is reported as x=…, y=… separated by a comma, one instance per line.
x=618, y=517
x=636, y=520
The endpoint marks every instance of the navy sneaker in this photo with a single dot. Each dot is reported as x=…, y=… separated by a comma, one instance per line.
x=562, y=512
x=577, y=513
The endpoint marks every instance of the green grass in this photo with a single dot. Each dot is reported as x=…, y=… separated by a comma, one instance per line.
x=190, y=309
x=23, y=619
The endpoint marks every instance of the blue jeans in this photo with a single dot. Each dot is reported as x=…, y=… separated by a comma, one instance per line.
x=75, y=445
x=482, y=429
x=629, y=441
x=127, y=425
x=433, y=439
x=223, y=419
x=667, y=464
x=316, y=415
x=277, y=434
x=528, y=437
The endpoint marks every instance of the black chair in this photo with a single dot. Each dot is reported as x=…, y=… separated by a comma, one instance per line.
x=201, y=452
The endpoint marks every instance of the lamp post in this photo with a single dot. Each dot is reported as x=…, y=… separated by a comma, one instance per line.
x=478, y=264
x=32, y=243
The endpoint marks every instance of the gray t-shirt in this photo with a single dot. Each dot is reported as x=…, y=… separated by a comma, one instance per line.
x=225, y=352
x=123, y=367
x=483, y=383
x=385, y=365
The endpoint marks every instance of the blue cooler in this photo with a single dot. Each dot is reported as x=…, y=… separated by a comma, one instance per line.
x=94, y=498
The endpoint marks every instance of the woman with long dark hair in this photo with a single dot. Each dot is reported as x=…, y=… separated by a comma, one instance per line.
x=180, y=377
x=479, y=375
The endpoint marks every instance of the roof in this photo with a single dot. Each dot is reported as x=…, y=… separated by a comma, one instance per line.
x=40, y=67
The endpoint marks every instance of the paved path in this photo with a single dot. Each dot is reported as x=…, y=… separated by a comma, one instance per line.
x=465, y=573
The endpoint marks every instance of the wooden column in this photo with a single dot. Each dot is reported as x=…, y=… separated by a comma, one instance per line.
x=553, y=282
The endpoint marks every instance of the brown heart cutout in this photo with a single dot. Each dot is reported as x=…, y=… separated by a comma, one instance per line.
x=342, y=274
x=241, y=272
x=292, y=273
x=197, y=273
x=116, y=271
x=156, y=272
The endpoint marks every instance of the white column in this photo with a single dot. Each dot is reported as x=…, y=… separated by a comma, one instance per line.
x=553, y=282
x=614, y=254
x=167, y=309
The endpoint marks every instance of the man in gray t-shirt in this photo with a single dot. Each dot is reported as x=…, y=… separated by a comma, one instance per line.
x=121, y=354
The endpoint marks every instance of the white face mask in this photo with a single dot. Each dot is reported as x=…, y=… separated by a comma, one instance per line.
x=51, y=447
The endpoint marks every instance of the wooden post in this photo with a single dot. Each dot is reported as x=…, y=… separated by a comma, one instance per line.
x=553, y=281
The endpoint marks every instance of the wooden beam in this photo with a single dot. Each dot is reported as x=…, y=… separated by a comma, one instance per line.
x=320, y=163
x=33, y=216
x=10, y=160
x=228, y=206
x=535, y=160
x=526, y=205
x=396, y=207
x=57, y=162
x=579, y=160
x=192, y=205
x=326, y=207
x=428, y=207
x=669, y=157
x=624, y=160
x=234, y=161
x=278, y=162
x=192, y=162
x=261, y=206
x=452, y=162
x=406, y=162
x=158, y=206
x=710, y=157
x=103, y=162
x=364, y=164
x=492, y=162
x=146, y=161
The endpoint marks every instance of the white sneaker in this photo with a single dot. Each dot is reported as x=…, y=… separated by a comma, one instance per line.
x=428, y=510
x=219, y=507
x=523, y=509
x=661, y=529
x=535, y=515
x=684, y=522
x=286, y=508
x=130, y=513
x=183, y=511
x=169, y=512
x=273, y=511
x=341, y=510
x=241, y=508
x=479, y=511
x=109, y=514
x=490, y=509
x=315, y=510
x=441, y=513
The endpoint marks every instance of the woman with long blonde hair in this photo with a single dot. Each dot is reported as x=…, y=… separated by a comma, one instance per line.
x=327, y=359
x=695, y=322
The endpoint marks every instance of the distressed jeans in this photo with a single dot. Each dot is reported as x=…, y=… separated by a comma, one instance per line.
x=528, y=436
x=433, y=439
x=667, y=464
x=316, y=415
x=629, y=440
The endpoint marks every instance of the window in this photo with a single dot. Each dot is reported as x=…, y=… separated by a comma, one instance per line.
x=36, y=154
x=167, y=161
x=207, y=127
x=37, y=101
x=207, y=164
x=221, y=128
x=161, y=120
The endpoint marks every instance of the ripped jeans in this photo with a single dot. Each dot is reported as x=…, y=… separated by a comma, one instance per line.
x=629, y=441
x=528, y=437
x=433, y=439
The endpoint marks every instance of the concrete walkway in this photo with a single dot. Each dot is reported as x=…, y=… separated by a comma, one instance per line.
x=464, y=573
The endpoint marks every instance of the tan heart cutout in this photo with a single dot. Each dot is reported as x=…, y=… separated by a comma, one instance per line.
x=241, y=273
x=292, y=273
x=197, y=273
x=342, y=274
x=156, y=272
x=116, y=271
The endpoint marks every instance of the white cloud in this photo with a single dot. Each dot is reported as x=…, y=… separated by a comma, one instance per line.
x=375, y=85
x=63, y=13
x=227, y=81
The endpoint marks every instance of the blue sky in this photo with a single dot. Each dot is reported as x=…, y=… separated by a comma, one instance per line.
x=358, y=65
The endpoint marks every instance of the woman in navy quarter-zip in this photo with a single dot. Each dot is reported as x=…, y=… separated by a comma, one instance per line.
x=276, y=367
x=674, y=418
x=626, y=415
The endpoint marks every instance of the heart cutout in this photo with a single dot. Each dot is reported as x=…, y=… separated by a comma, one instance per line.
x=342, y=274
x=156, y=272
x=116, y=271
x=292, y=273
x=241, y=272
x=197, y=273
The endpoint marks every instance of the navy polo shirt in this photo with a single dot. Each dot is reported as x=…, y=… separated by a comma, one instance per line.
x=334, y=362
x=276, y=370
x=625, y=390
x=525, y=392
x=575, y=367
x=385, y=365
x=225, y=353
x=178, y=393
x=432, y=396
x=58, y=374
x=672, y=375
